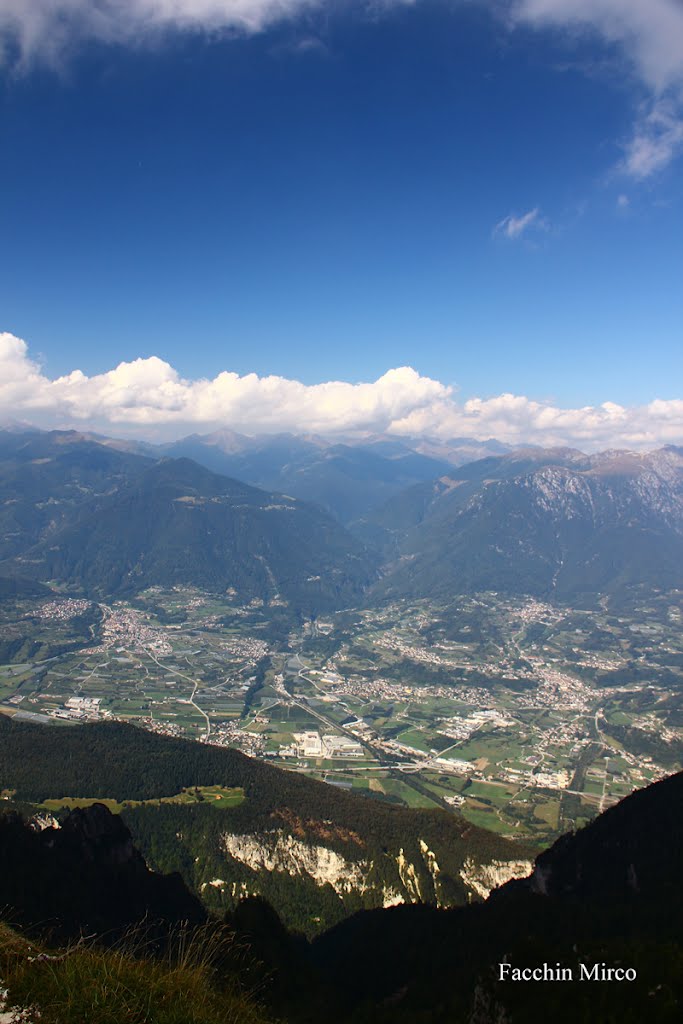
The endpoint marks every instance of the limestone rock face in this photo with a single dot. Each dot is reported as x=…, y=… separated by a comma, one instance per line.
x=484, y=878
x=405, y=878
x=279, y=851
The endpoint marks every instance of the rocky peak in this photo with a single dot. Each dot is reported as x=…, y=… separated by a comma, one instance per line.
x=85, y=875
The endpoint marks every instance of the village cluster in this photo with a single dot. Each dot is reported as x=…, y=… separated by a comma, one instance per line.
x=506, y=701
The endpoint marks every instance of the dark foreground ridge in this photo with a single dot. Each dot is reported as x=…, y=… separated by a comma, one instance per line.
x=85, y=877
x=608, y=897
x=609, y=894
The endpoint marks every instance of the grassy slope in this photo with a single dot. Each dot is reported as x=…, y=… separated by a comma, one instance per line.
x=125, y=985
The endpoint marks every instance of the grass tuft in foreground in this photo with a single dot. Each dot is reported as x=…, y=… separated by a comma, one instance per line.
x=190, y=984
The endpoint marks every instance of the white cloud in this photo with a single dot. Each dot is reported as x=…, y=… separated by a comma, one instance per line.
x=657, y=139
x=650, y=34
x=44, y=30
x=649, y=31
x=148, y=398
x=150, y=392
x=514, y=227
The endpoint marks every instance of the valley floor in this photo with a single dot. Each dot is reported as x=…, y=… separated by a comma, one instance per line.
x=528, y=718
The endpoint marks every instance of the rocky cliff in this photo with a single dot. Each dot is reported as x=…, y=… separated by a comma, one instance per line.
x=84, y=875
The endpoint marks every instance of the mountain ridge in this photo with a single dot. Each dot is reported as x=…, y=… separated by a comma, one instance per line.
x=314, y=851
x=175, y=522
x=545, y=523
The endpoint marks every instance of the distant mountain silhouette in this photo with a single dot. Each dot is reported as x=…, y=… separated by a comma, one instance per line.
x=93, y=513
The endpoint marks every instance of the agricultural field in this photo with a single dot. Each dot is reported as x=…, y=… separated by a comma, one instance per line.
x=525, y=717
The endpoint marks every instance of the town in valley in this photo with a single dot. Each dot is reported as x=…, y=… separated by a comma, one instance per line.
x=526, y=717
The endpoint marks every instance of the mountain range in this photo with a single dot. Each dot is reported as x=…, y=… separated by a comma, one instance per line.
x=347, y=479
x=548, y=522
x=108, y=521
x=113, y=523
x=355, y=908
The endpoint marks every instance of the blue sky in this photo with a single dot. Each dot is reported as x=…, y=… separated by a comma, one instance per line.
x=490, y=194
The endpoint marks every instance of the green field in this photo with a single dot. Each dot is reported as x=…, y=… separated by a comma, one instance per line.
x=216, y=796
x=405, y=792
x=409, y=672
x=485, y=817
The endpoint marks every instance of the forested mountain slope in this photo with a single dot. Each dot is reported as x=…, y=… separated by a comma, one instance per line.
x=599, y=917
x=316, y=852
x=46, y=477
x=178, y=523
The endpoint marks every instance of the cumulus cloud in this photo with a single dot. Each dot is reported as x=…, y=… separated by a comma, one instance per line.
x=514, y=227
x=650, y=34
x=150, y=393
x=148, y=398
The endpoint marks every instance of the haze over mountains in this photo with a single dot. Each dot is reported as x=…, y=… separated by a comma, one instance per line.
x=347, y=478
x=101, y=518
